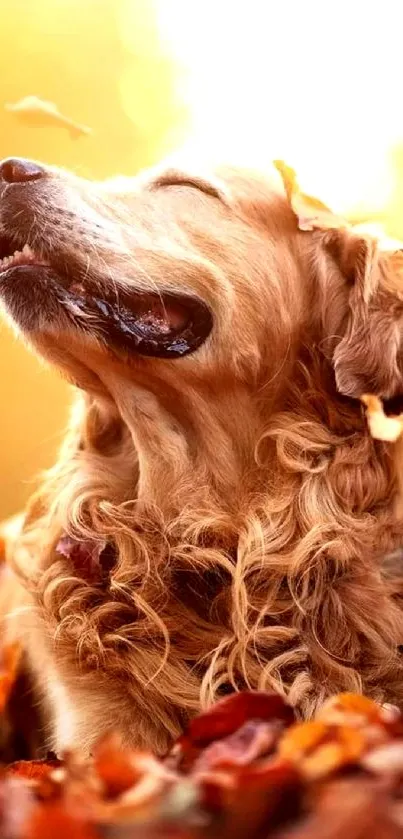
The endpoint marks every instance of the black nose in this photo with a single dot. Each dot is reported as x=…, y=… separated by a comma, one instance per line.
x=17, y=170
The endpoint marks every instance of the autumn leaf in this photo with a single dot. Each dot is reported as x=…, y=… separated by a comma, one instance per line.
x=242, y=770
x=232, y=712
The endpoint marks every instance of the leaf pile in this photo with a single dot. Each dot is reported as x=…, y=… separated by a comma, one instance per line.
x=242, y=769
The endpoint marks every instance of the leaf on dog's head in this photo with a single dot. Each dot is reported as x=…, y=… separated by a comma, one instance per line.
x=311, y=213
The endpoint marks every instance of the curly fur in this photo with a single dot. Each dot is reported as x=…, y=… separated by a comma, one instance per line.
x=249, y=508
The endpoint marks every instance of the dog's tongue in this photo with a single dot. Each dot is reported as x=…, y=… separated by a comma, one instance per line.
x=155, y=325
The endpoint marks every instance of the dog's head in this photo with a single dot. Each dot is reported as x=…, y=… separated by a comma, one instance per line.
x=176, y=274
x=173, y=267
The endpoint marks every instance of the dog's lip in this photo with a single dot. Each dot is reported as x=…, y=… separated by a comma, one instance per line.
x=15, y=253
x=27, y=257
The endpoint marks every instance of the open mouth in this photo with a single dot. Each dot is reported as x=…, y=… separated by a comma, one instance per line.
x=158, y=325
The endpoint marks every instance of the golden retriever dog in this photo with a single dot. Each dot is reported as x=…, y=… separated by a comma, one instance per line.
x=219, y=514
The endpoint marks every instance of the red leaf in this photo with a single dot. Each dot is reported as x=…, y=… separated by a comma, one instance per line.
x=232, y=712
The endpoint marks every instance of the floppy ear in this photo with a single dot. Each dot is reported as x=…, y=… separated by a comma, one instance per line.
x=366, y=358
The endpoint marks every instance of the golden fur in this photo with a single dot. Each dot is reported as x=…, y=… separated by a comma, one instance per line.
x=248, y=505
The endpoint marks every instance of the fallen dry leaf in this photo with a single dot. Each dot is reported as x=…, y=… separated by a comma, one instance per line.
x=318, y=748
x=242, y=770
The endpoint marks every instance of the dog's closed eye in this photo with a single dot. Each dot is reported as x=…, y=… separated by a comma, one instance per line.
x=174, y=177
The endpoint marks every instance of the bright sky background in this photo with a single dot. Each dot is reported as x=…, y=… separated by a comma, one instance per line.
x=314, y=82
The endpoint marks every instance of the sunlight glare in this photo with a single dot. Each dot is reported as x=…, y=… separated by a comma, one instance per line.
x=314, y=84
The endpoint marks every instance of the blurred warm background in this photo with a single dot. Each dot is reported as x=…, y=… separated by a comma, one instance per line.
x=315, y=83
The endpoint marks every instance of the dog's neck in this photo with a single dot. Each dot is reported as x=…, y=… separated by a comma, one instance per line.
x=230, y=449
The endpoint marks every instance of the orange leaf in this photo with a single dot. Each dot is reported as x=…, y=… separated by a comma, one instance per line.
x=300, y=739
x=350, y=703
x=318, y=749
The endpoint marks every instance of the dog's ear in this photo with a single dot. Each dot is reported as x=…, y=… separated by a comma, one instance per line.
x=366, y=357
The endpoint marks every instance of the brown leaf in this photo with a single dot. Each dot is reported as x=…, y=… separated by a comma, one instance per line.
x=350, y=808
x=251, y=800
